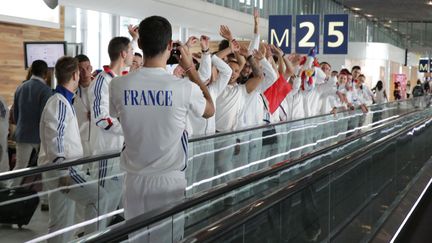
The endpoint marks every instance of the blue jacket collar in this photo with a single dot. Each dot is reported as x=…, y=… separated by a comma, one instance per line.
x=66, y=93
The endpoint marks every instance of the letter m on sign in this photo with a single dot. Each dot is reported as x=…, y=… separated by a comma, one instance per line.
x=280, y=31
x=423, y=66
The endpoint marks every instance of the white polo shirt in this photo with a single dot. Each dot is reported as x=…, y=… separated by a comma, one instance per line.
x=152, y=106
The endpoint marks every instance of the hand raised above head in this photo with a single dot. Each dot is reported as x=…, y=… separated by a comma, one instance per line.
x=276, y=50
x=225, y=32
x=258, y=55
x=133, y=31
x=185, y=59
x=235, y=46
x=256, y=14
x=244, y=51
x=204, y=42
x=294, y=58
x=191, y=41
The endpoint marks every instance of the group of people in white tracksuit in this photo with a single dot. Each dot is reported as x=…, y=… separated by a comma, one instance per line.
x=76, y=123
x=150, y=113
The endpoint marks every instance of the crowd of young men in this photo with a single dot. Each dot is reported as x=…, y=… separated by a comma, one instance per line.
x=149, y=113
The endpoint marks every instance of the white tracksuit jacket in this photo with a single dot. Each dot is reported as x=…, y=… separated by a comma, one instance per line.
x=60, y=136
x=82, y=109
x=198, y=126
x=104, y=136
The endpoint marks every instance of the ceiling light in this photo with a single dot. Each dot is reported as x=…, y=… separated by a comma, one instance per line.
x=369, y=15
x=358, y=9
x=429, y=3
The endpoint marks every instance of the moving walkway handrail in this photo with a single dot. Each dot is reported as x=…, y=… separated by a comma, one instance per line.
x=109, y=155
x=195, y=139
x=241, y=216
x=157, y=215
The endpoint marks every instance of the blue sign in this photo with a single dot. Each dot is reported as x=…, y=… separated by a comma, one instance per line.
x=423, y=66
x=307, y=33
x=335, y=34
x=280, y=31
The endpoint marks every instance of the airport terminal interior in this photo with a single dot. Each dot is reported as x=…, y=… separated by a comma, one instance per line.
x=216, y=121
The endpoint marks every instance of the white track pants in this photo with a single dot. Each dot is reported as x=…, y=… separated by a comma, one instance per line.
x=146, y=193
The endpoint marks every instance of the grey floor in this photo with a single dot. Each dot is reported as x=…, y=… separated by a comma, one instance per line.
x=38, y=226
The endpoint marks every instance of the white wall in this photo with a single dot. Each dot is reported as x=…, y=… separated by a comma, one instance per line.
x=371, y=57
x=198, y=15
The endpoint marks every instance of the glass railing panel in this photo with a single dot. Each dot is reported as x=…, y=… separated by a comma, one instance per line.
x=81, y=200
x=202, y=215
x=221, y=159
x=345, y=205
x=106, y=176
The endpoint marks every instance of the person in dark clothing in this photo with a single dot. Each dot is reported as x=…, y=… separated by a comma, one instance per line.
x=29, y=101
x=418, y=89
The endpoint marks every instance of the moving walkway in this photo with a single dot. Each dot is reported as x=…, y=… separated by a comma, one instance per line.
x=302, y=180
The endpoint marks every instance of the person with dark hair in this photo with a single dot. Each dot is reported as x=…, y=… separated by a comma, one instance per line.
x=363, y=90
x=60, y=140
x=29, y=102
x=380, y=94
x=326, y=68
x=355, y=71
x=81, y=101
x=418, y=89
x=397, y=91
x=105, y=131
x=152, y=106
x=334, y=73
x=137, y=62
x=327, y=89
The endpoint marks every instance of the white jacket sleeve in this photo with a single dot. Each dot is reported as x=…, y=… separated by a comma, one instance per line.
x=296, y=85
x=254, y=44
x=135, y=47
x=205, y=68
x=218, y=85
x=100, y=107
x=270, y=76
x=52, y=135
x=333, y=100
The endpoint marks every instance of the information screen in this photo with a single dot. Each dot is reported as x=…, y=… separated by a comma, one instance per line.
x=50, y=52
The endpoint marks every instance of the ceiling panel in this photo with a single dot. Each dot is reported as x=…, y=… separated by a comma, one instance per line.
x=412, y=10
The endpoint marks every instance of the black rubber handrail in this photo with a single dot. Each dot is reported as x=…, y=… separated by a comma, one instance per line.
x=157, y=215
x=91, y=159
x=232, y=221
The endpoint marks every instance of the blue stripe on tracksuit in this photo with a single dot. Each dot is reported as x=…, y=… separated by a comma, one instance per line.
x=98, y=96
x=60, y=127
x=103, y=164
x=184, y=141
x=76, y=177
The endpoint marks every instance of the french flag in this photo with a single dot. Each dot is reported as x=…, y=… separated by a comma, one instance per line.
x=276, y=93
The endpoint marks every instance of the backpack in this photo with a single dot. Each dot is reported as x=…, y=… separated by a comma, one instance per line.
x=417, y=91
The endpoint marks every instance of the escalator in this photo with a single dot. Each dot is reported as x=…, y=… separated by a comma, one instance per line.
x=289, y=156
